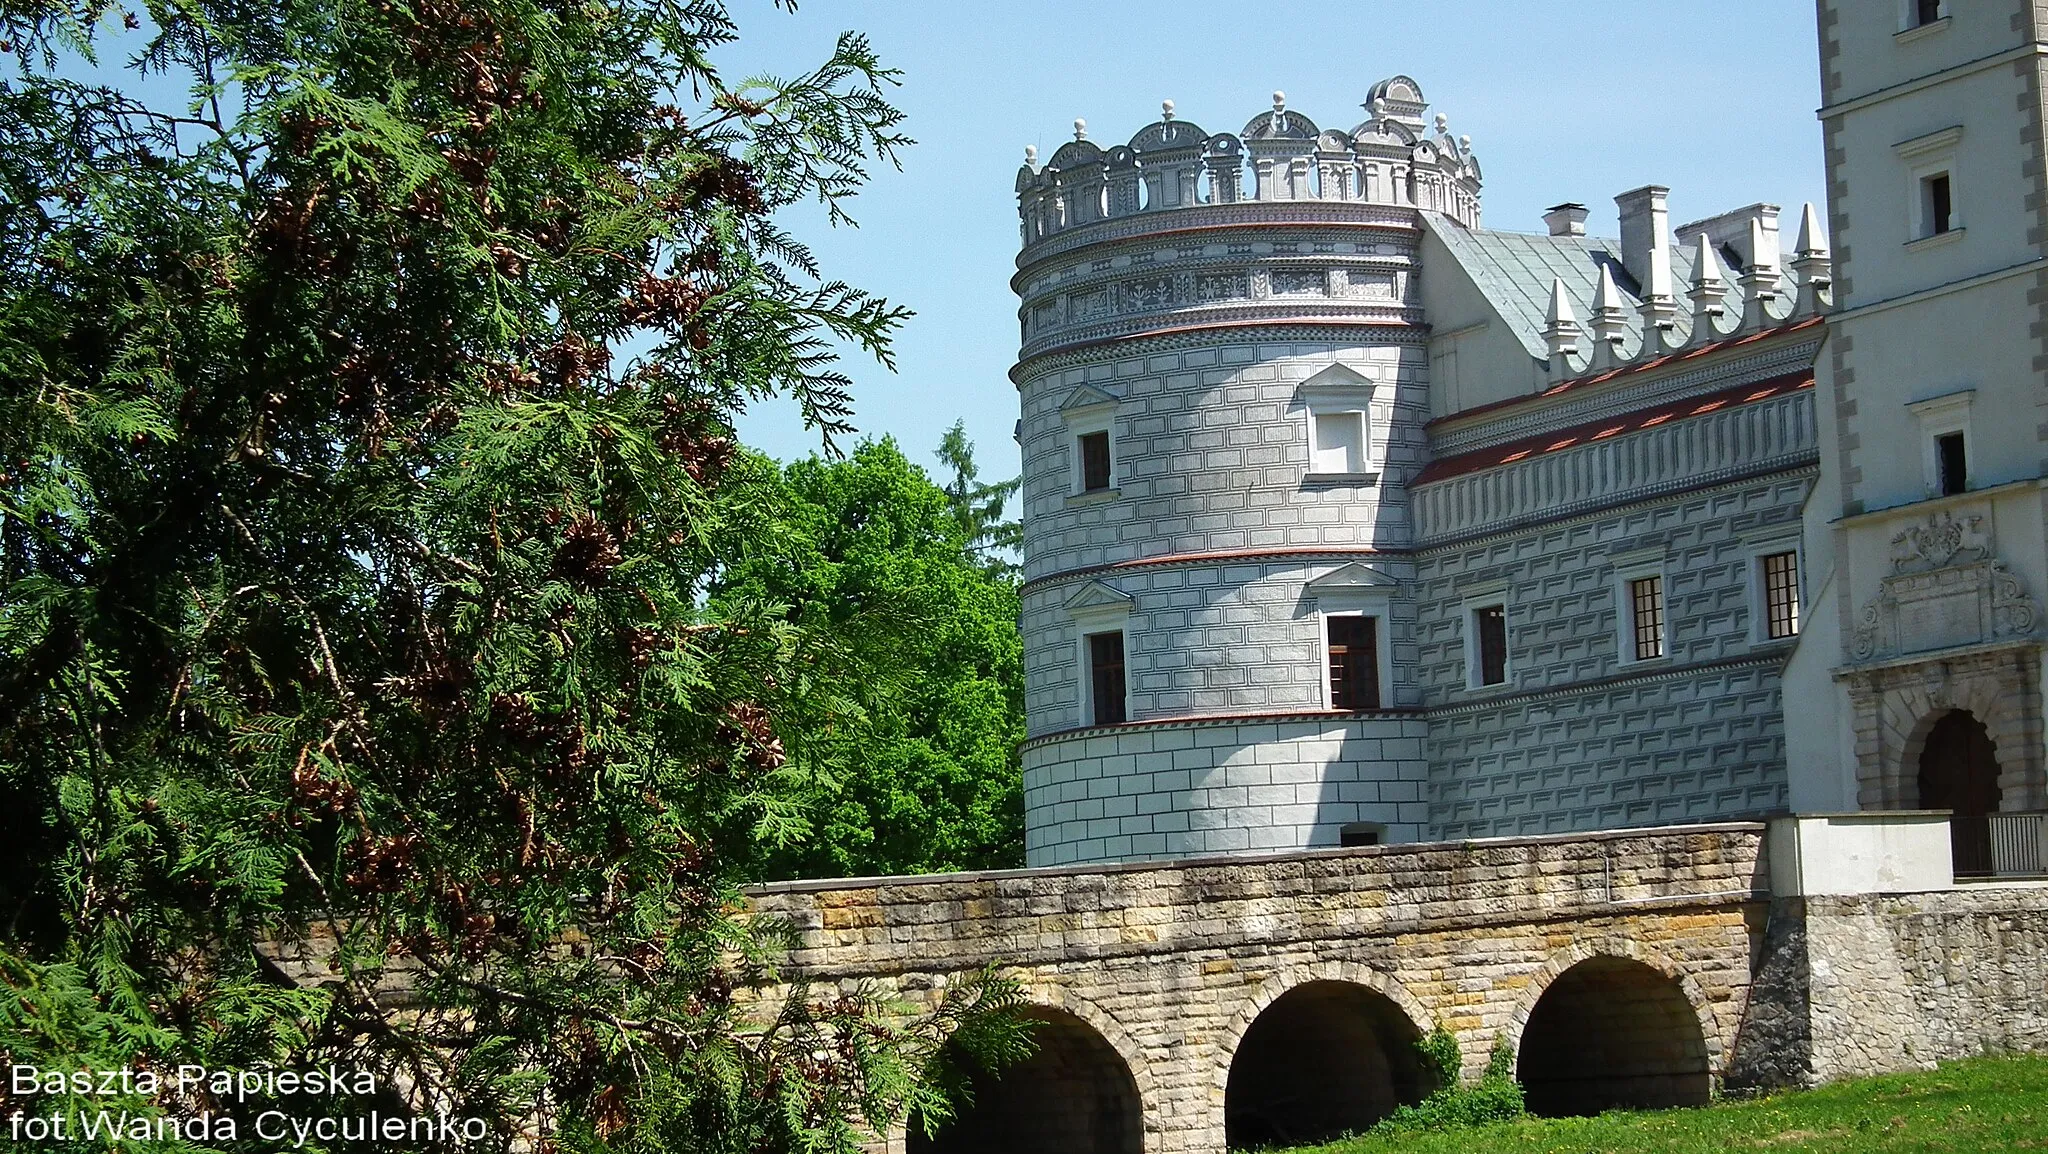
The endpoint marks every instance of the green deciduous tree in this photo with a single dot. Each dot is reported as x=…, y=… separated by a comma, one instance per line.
x=365, y=457
x=915, y=767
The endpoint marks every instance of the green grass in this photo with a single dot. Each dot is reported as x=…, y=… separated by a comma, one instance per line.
x=1979, y=1104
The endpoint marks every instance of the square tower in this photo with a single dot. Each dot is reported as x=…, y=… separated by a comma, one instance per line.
x=1919, y=681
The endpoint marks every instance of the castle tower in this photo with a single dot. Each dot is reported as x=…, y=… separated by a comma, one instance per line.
x=1222, y=383
x=1919, y=684
x=1348, y=520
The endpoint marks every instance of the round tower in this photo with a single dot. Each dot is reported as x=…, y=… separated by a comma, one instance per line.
x=1223, y=383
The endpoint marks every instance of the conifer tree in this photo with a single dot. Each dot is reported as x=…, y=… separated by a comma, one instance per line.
x=365, y=455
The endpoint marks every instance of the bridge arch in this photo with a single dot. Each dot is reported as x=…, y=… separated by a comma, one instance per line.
x=1613, y=1023
x=1087, y=1089
x=1317, y=1051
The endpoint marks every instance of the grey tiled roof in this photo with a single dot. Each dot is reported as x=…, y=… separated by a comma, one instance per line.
x=1516, y=269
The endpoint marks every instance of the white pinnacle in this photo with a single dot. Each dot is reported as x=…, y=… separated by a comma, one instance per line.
x=1706, y=267
x=1080, y=129
x=1763, y=251
x=1812, y=241
x=1560, y=313
x=1607, y=297
x=1166, y=109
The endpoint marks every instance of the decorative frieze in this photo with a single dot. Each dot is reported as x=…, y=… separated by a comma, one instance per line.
x=1746, y=439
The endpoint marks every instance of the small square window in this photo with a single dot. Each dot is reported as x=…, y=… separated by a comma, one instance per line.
x=1106, y=677
x=1952, y=463
x=1360, y=833
x=1094, y=451
x=1646, y=617
x=1340, y=442
x=1490, y=630
x=1927, y=11
x=1354, y=662
x=1781, y=594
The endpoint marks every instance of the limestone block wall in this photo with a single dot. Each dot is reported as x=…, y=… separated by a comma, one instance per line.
x=1172, y=963
x=1577, y=738
x=1132, y=793
x=1901, y=981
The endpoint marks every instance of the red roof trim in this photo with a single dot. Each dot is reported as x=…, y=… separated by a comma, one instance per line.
x=1445, y=468
x=1577, y=383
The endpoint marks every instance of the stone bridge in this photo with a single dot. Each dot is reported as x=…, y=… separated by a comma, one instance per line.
x=1256, y=1000
x=1206, y=1004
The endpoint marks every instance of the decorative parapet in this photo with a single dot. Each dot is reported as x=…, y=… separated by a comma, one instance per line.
x=1767, y=293
x=1390, y=159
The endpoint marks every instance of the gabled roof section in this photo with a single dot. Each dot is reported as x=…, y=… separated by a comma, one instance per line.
x=1355, y=577
x=1097, y=596
x=1086, y=397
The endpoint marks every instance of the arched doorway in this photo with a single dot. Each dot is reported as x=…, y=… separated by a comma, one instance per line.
x=1074, y=1094
x=1612, y=1032
x=1325, y=1058
x=1959, y=771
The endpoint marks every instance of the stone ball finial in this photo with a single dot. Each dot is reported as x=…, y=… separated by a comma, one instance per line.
x=1464, y=144
x=1166, y=110
x=1379, y=108
x=1443, y=124
x=1080, y=129
x=1031, y=154
x=1279, y=101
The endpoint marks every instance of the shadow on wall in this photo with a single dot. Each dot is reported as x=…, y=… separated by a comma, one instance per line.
x=1613, y=1033
x=1325, y=1059
x=1074, y=1096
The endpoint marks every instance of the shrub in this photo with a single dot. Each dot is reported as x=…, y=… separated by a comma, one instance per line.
x=1496, y=1097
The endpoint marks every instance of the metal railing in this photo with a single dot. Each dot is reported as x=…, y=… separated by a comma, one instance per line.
x=2000, y=845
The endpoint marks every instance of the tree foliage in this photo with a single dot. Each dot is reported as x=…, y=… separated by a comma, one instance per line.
x=365, y=458
x=978, y=505
x=916, y=768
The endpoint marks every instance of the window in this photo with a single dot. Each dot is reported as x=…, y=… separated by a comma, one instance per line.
x=1781, y=594
x=1951, y=463
x=1937, y=207
x=1927, y=11
x=1934, y=215
x=1646, y=617
x=1945, y=441
x=1106, y=677
x=1334, y=404
x=1093, y=449
x=1360, y=833
x=1090, y=418
x=1354, y=662
x=1490, y=645
x=1340, y=443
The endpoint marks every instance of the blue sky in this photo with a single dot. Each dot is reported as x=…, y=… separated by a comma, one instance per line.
x=1563, y=102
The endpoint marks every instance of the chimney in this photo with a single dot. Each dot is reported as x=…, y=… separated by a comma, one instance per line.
x=1730, y=232
x=1566, y=219
x=1646, y=238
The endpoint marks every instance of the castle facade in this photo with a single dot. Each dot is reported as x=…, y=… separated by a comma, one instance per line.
x=1348, y=519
